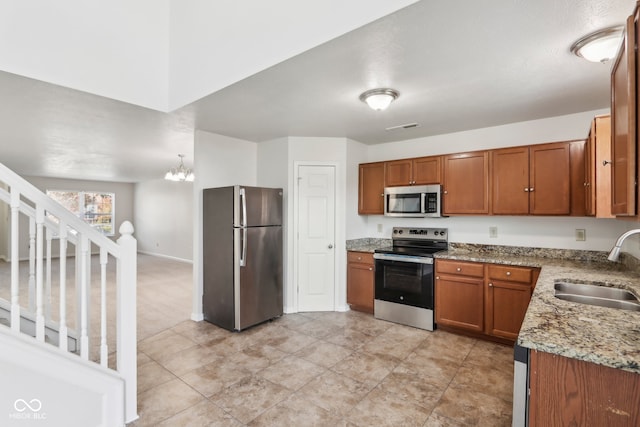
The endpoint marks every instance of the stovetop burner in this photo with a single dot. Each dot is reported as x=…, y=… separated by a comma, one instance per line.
x=417, y=241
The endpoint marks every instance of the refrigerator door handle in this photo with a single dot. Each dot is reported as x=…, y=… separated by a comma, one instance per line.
x=243, y=202
x=243, y=251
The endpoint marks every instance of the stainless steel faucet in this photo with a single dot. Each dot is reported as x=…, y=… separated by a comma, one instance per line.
x=615, y=252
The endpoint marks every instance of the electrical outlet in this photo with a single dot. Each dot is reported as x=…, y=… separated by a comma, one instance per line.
x=379, y=228
x=581, y=235
x=493, y=232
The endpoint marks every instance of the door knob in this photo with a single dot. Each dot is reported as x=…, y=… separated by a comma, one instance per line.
x=330, y=246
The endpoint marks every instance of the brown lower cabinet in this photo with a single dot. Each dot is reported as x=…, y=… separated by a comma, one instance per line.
x=570, y=392
x=360, y=281
x=484, y=299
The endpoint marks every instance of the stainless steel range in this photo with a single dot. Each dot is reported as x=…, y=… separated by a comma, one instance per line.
x=404, y=286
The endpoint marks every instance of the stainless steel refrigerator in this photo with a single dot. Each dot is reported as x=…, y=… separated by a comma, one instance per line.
x=242, y=255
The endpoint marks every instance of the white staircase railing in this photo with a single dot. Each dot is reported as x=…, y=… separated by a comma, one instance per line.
x=52, y=321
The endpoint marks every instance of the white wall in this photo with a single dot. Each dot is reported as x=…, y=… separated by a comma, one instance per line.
x=273, y=171
x=118, y=49
x=163, y=218
x=551, y=232
x=218, y=161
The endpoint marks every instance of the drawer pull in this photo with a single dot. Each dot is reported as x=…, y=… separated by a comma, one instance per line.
x=370, y=268
x=437, y=277
x=458, y=269
x=508, y=273
x=359, y=258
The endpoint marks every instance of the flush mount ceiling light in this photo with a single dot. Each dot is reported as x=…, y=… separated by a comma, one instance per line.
x=379, y=99
x=180, y=173
x=599, y=46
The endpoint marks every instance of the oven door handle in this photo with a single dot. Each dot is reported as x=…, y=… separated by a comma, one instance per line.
x=403, y=258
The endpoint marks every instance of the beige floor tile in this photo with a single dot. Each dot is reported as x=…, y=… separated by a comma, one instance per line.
x=499, y=381
x=250, y=397
x=215, y=377
x=297, y=411
x=187, y=360
x=324, y=353
x=385, y=346
x=471, y=407
x=288, y=340
x=256, y=358
x=198, y=332
x=164, y=344
x=428, y=365
x=492, y=355
x=366, y=368
x=383, y=409
x=349, y=338
x=316, y=328
x=335, y=393
x=151, y=375
x=164, y=401
x=436, y=420
x=204, y=414
x=292, y=372
x=411, y=386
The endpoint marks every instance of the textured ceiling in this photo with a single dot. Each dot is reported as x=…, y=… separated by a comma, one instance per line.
x=457, y=64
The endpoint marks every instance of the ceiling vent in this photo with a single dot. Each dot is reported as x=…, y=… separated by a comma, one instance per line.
x=405, y=126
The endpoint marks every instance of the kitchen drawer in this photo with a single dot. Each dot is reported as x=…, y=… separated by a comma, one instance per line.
x=472, y=269
x=361, y=257
x=510, y=273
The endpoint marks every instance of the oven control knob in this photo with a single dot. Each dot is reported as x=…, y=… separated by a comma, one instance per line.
x=401, y=298
x=400, y=232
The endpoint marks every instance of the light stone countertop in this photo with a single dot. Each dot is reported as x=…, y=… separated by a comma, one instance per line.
x=605, y=336
x=367, y=244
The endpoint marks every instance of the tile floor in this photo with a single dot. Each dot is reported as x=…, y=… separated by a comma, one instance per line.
x=307, y=369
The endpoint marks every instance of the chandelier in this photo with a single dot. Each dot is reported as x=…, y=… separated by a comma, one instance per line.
x=180, y=173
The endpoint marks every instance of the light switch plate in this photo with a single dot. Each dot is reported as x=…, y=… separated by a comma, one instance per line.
x=581, y=235
x=493, y=232
x=379, y=228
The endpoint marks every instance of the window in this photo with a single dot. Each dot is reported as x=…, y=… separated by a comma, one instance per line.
x=95, y=208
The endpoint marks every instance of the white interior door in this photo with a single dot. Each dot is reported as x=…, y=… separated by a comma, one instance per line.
x=316, y=235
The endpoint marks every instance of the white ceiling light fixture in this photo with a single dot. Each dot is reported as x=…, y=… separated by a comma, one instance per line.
x=599, y=46
x=180, y=173
x=379, y=99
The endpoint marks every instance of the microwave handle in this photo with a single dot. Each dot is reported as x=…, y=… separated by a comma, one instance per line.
x=423, y=199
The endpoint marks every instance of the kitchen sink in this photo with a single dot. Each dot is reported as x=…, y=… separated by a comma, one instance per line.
x=602, y=296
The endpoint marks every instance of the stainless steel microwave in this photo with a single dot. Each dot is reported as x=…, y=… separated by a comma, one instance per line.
x=415, y=201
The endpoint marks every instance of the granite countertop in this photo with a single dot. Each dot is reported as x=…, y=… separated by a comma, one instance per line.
x=367, y=244
x=606, y=336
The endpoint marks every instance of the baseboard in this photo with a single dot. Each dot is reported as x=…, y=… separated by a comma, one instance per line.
x=197, y=317
x=188, y=261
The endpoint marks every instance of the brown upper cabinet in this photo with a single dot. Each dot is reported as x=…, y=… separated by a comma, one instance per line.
x=598, y=168
x=623, y=123
x=466, y=183
x=532, y=180
x=419, y=171
x=371, y=189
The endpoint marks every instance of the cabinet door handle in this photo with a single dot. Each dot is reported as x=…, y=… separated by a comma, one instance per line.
x=526, y=190
x=531, y=189
x=370, y=268
x=445, y=192
x=437, y=277
x=491, y=285
x=606, y=162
